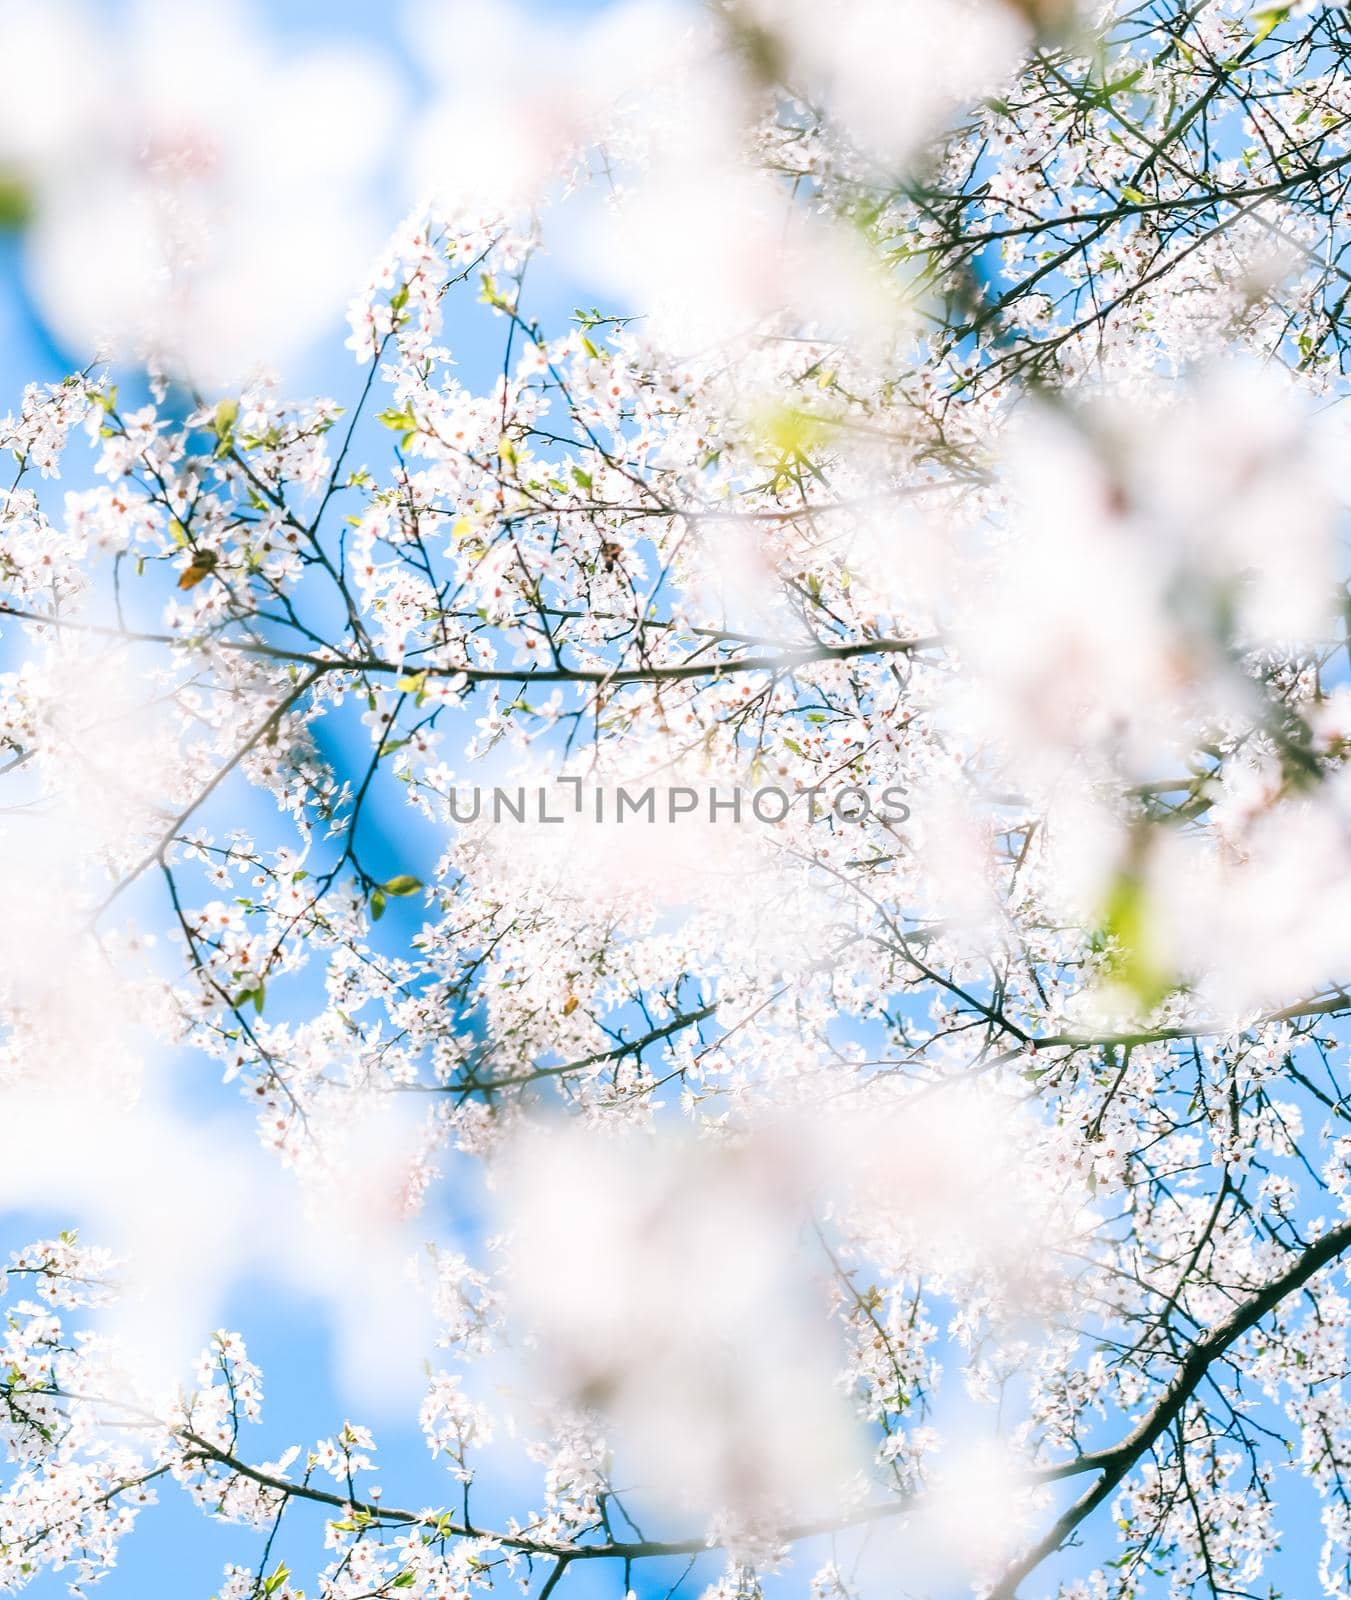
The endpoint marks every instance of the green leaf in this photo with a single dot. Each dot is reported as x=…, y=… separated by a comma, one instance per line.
x=403, y=884
x=1134, y=195
x=1126, y=81
x=227, y=411
x=274, y=1582
x=257, y=994
x=1268, y=18
x=378, y=903
x=16, y=202
x=1128, y=931
x=790, y=433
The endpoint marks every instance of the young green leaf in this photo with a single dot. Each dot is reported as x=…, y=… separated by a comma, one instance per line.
x=402, y=884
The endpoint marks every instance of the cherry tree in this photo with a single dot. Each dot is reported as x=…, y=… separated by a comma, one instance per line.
x=810, y=811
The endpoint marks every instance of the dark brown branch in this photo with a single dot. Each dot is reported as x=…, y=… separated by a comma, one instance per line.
x=1116, y=1462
